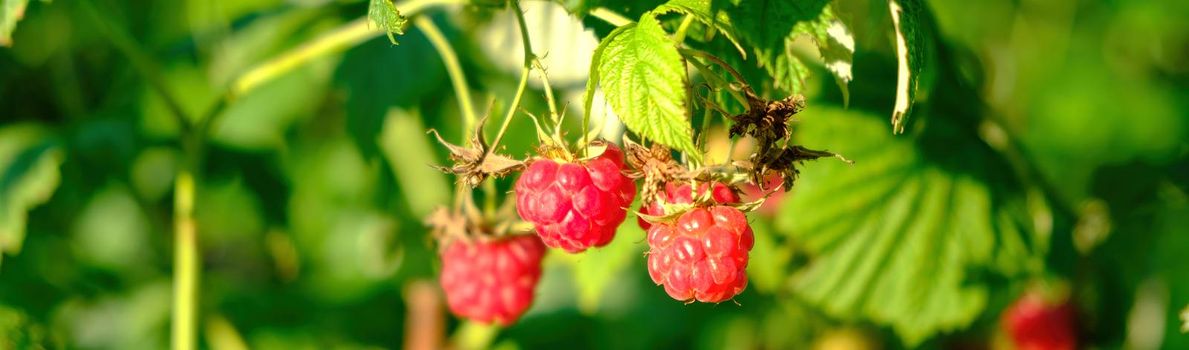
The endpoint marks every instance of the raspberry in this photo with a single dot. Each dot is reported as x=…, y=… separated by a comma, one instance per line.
x=1037, y=324
x=575, y=206
x=703, y=255
x=493, y=280
x=681, y=194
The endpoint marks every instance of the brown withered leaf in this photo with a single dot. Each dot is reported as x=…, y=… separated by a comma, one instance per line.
x=785, y=161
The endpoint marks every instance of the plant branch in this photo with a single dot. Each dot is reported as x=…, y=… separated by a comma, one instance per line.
x=714, y=79
x=144, y=65
x=679, y=36
x=718, y=61
x=548, y=95
x=453, y=69
x=609, y=16
x=348, y=35
x=186, y=263
x=528, y=63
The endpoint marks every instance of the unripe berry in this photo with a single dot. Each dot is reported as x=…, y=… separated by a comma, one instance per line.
x=702, y=255
x=1034, y=323
x=575, y=206
x=680, y=193
x=491, y=281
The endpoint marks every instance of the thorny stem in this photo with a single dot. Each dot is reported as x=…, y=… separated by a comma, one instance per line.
x=453, y=69
x=548, y=96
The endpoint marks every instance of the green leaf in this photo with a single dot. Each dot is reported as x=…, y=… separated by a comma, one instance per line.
x=910, y=47
x=593, y=81
x=385, y=15
x=643, y=76
x=703, y=11
x=11, y=11
x=28, y=177
x=904, y=237
x=770, y=27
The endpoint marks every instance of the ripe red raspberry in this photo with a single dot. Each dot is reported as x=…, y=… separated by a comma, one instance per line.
x=575, y=206
x=703, y=255
x=1035, y=323
x=679, y=193
x=491, y=281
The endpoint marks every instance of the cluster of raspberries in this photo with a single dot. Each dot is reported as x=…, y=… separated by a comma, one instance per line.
x=576, y=205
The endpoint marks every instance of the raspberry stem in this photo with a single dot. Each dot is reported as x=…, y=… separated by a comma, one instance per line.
x=453, y=69
x=528, y=65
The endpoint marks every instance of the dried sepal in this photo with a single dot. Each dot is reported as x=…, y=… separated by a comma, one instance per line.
x=475, y=163
x=655, y=165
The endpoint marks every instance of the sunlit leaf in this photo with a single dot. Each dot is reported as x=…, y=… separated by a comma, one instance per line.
x=904, y=237
x=643, y=76
x=704, y=11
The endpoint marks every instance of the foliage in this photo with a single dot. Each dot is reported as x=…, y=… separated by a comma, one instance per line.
x=1046, y=154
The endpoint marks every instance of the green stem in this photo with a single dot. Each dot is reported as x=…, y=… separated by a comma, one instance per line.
x=679, y=36
x=549, y=96
x=528, y=63
x=609, y=16
x=141, y=61
x=718, y=82
x=453, y=69
x=351, y=34
x=186, y=264
x=489, y=204
x=718, y=61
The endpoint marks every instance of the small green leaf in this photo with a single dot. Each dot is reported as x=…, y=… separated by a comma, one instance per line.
x=910, y=47
x=385, y=15
x=28, y=177
x=704, y=12
x=770, y=27
x=643, y=77
x=11, y=11
x=903, y=237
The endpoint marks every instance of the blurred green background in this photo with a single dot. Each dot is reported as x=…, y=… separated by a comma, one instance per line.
x=1049, y=145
